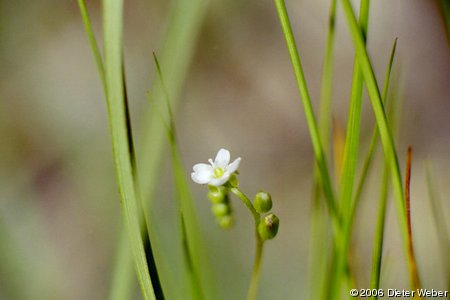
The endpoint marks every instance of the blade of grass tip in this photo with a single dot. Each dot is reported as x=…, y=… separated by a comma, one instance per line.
x=414, y=273
x=374, y=139
x=309, y=113
x=348, y=172
x=377, y=253
x=377, y=105
x=439, y=219
x=112, y=12
x=362, y=180
x=318, y=233
x=195, y=251
x=184, y=27
x=92, y=42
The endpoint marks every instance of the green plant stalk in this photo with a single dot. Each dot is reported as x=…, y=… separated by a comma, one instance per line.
x=374, y=139
x=377, y=255
x=382, y=123
x=309, y=113
x=186, y=17
x=253, y=288
x=254, y=282
x=197, y=261
x=379, y=233
x=351, y=149
x=318, y=234
x=112, y=11
x=195, y=253
x=353, y=126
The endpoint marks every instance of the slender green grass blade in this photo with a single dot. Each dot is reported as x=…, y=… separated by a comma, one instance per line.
x=184, y=26
x=176, y=55
x=379, y=233
x=197, y=262
x=351, y=150
x=380, y=116
x=374, y=139
x=394, y=116
x=353, y=126
x=123, y=272
x=112, y=12
x=92, y=41
x=318, y=233
x=309, y=113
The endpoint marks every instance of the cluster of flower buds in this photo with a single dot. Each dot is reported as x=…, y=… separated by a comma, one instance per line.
x=221, y=207
x=268, y=225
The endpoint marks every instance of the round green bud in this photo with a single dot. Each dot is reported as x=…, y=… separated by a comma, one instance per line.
x=226, y=222
x=220, y=209
x=262, y=202
x=268, y=227
x=217, y=194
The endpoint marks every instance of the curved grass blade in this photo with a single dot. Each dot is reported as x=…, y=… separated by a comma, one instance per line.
x=319, y=153
x=351, y=149
x=318, y=233
x=382, y=123
x=374, y=139
x=92, y=42
x=117, y=111
x=377, y=253
x=196, y=256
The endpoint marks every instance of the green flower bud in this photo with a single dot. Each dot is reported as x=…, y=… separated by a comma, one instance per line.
x=262, y=202
x=268, y=227
x=220, y=209
x=233, y=181
x=226, y=222
x=217, y=194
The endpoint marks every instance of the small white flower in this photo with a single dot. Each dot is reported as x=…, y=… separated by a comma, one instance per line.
x=218, y=172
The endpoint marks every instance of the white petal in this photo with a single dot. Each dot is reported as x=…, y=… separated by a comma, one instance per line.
x=222, y=158
x=220, y=181
x=202, y=173
x=234, y=165
x=202, y=168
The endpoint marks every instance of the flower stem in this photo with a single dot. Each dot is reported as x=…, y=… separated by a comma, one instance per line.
x=253, y=288
x=247, y=203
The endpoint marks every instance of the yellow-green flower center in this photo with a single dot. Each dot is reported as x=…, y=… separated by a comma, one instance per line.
x=218, y=172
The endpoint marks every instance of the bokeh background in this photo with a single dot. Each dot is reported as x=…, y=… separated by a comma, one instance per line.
x=59, y=208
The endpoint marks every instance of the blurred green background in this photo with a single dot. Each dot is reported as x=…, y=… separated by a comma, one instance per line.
x=59, y=207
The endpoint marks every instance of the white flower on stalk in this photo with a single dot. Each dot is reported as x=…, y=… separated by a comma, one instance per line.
x=218, y=172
